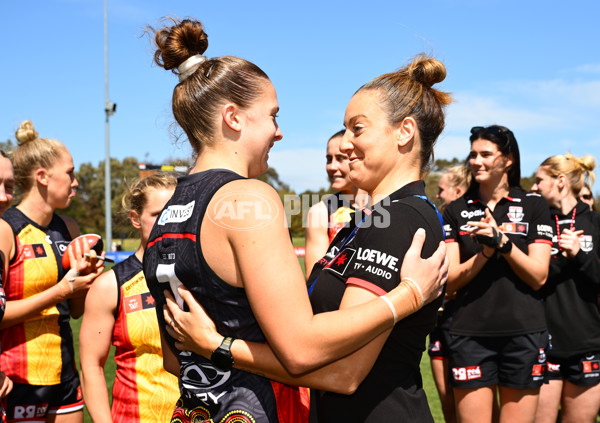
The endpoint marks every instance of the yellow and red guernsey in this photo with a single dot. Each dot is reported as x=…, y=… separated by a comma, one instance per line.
x=143, y=391
x=38, y=351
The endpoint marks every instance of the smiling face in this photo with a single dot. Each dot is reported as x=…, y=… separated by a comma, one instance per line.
x=61, y=181
x=262, y=128
x=7, y=183
x=338, y=168
x=487, y=163
x=369, y=142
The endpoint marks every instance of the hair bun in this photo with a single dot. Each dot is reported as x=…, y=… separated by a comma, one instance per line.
x=177, y=42
x=26, y=132
x=427, y=70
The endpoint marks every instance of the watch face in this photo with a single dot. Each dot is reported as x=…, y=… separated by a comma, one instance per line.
x=222, y=359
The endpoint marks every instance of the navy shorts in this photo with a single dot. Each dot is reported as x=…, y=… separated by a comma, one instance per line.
x=32, y=403
x=517, y=362
x=580, y=370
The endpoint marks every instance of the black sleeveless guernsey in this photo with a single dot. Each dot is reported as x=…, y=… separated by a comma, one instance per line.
x=174, y=255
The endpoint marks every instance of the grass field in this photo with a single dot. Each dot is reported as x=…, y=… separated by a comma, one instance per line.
x=109, y=368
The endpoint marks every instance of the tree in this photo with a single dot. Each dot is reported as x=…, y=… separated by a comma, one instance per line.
x=88, y=206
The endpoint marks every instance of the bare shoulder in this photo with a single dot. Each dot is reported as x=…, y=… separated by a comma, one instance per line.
x=317, y=211
x=72, y=225
x=246, y=204
x=103, y=292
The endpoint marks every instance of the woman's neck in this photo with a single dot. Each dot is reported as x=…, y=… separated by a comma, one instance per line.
x=566, y=204
x=492, y=193
x=393, y=182
x=140, y=252
x=35, y=208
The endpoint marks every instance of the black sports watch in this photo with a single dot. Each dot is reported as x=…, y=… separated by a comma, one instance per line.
x=506, y=247
x=221, y=357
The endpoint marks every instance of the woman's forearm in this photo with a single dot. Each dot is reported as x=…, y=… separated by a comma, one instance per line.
x=95, y=392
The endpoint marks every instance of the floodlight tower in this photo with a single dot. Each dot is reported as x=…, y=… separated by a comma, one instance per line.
x=109, y=108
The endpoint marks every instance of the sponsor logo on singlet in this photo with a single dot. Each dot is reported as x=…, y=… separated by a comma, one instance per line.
x=466, y=373
x=340, y=263
x=176, y=213
x=138, y=302
x=586, y=243
x=62, y=246
x=32, y=251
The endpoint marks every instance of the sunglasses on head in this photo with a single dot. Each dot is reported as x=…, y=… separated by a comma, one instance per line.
x=495, y=131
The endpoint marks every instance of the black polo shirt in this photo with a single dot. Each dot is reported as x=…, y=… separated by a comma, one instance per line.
x=496, y=302
x=372, y=259
x=573, y=285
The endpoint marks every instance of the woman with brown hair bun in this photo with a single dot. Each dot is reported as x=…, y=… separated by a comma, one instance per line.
x=570, y=294
x=36, y=338
x=223, y=236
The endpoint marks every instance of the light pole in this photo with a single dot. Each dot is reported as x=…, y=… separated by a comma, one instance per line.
x=109, y=108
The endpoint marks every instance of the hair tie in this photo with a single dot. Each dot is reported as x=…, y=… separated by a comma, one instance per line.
x=189, y=66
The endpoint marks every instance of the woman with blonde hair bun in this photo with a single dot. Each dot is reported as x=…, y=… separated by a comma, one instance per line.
x=242, y=268
x=120, y=310
x=36, y=338
x=571, y=293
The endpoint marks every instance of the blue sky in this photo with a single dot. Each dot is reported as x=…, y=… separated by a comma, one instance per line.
x=533, y=66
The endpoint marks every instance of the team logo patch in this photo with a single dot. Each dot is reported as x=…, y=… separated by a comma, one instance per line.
x=466, y=373
x=586, y=243
x=542, y=356
x=176, y=213
x=340, y=263
x=31, y=251
x=515, y=213
x=520, y=228
x=138, y=302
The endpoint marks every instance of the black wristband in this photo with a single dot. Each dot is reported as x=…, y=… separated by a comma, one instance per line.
x=483, y=254
x=506, y=248
x=491, y=241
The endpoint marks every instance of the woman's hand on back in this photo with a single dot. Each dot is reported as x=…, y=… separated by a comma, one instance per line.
x=429, y=274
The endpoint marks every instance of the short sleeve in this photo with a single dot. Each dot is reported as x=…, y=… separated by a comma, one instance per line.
x=450, y=225
x=541, y=223
x=374, y=258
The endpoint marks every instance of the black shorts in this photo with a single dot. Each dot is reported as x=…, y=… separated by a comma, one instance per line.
x=580, y=370
x=517, y=362
x=438, y=344
x=32, y=403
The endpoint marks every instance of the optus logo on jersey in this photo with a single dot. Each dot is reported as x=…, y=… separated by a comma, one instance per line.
x=470, y=214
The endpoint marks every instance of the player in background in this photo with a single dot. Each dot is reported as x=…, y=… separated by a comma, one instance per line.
x=120, y=310
x=42, y=296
